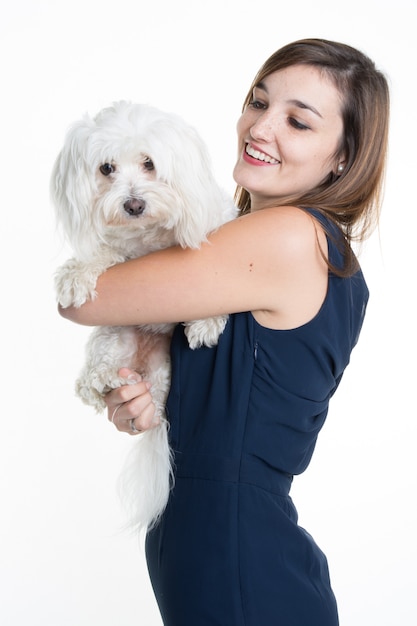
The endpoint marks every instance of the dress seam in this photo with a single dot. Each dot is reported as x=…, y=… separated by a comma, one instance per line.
x=238, y=495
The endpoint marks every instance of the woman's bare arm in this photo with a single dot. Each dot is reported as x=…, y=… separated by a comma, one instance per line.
x=267, y=262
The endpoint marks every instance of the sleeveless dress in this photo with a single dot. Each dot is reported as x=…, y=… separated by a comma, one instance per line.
x=244, y=417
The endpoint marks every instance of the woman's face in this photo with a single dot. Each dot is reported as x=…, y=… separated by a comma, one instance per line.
x=288, y=135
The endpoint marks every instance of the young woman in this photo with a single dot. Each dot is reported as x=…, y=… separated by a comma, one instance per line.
x=245, y=414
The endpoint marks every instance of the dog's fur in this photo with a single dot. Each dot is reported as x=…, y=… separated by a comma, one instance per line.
x=131, y=181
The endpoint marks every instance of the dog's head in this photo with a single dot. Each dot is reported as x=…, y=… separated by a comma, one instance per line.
x=133, y=168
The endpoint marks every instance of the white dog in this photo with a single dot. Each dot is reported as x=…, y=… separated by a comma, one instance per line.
x=128, y=182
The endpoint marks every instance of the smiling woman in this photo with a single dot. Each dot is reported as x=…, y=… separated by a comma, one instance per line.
x=245, y=414
x=350, y=197
x=295, y=143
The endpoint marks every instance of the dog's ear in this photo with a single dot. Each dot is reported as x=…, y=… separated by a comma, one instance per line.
x=204, y=204
x=72, y=186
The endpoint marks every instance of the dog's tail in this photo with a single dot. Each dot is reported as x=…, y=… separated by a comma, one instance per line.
x=147, y=478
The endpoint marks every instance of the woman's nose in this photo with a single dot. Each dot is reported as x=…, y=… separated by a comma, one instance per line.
x=264, y=127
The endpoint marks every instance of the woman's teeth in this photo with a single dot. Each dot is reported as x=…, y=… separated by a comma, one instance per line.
x=260, y=156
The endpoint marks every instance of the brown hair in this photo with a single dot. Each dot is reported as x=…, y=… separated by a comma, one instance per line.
x=351, y=200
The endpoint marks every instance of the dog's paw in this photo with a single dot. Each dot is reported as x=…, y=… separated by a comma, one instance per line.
x=92, y=387
x=75, y=283
x=205, y=332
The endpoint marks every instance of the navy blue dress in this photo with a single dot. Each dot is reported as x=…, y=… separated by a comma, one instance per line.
x=245, y=416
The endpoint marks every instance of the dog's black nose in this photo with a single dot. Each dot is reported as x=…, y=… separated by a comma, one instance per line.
x=134, y=206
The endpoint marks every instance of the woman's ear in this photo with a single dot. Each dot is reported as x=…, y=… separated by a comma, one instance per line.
x=339, y=164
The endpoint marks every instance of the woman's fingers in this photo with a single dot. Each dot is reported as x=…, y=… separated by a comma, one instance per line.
x=130, y=407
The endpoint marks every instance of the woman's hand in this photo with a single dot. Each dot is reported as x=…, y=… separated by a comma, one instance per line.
x=130, y=407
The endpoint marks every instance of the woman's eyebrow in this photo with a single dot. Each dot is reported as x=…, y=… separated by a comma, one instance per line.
x=294, y=102
x=261, y=85
x=304, y=105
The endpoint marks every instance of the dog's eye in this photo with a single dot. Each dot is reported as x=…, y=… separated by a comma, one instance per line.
x=106, y=169
x=148, y=164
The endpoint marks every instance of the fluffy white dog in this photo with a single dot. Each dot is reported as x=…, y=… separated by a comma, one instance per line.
x=131, y=181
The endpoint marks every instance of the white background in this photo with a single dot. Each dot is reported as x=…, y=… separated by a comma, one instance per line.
x=63, y=558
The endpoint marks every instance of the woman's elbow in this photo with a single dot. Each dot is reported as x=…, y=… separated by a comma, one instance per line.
x=73, y=314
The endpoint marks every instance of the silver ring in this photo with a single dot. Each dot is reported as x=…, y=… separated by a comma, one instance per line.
x=133, y=427
x=114, y=413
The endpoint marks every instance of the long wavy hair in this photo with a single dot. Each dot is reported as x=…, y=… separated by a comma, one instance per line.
x=353, y=199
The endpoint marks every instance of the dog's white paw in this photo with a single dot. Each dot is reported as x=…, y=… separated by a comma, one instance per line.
x=205, y=332
x=75, y=283
x=92, y=387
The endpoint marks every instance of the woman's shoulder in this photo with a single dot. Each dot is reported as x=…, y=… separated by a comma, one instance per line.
x=290, y=236
x=287, y=231
x=292, y=251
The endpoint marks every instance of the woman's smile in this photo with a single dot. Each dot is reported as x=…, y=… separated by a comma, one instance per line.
x=257, y=157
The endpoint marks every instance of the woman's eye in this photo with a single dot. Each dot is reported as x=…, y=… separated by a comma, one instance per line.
x=148, y=164
x=107, y=168
x=296, y=124
x=257, y=104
